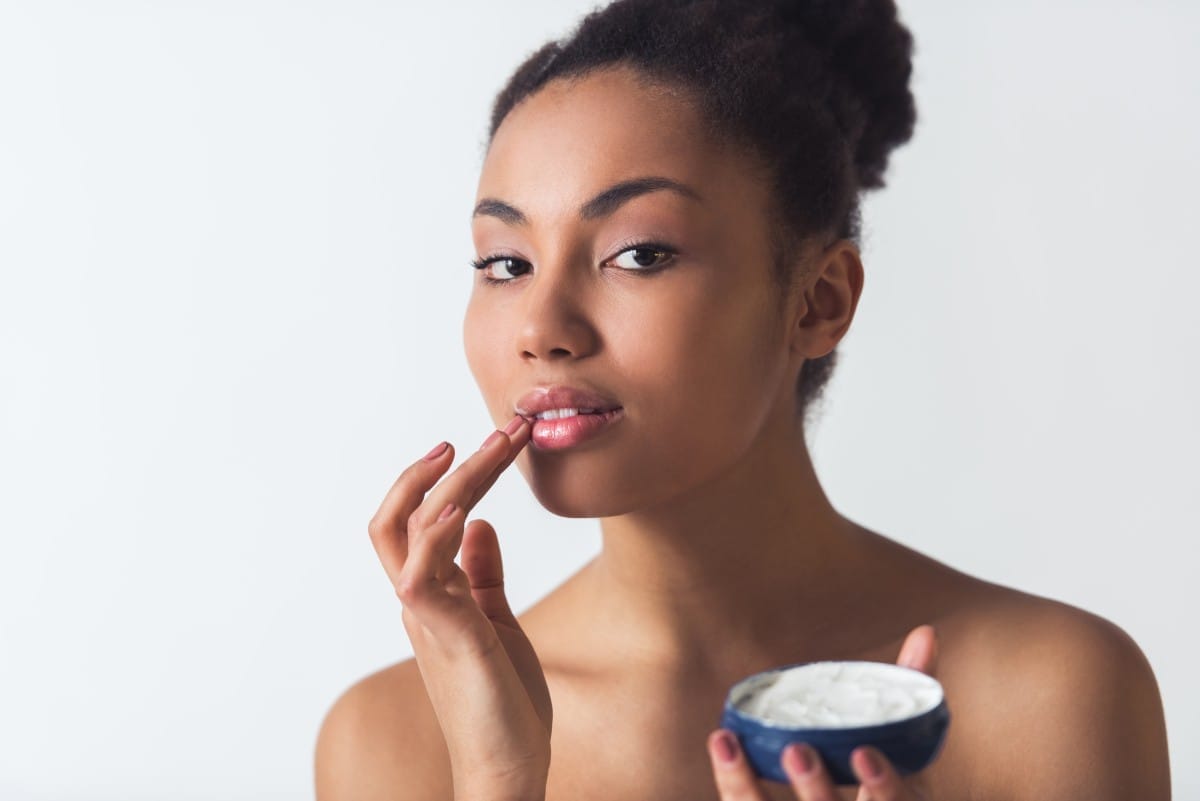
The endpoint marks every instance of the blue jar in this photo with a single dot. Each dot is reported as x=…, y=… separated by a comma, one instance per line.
x=910, y=740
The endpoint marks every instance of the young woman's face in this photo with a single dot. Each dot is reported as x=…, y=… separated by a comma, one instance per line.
x=687, y=341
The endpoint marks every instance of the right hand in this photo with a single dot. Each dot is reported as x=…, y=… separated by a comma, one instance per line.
x=481, y=673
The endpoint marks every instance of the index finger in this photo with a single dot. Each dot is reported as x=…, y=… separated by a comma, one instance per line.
x=390, y=525
x=471, y=480
x=519, y=440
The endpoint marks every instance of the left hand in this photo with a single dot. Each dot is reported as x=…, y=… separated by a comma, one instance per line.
x=736, y=780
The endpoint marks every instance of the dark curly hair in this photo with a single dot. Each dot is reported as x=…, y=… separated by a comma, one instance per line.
x=815, y=92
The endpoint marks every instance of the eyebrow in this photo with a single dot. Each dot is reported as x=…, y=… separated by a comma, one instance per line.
x=601, y=205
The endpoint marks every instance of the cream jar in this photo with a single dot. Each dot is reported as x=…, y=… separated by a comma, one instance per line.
x=835, y=707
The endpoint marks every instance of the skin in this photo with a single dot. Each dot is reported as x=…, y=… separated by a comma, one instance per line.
x=721, y=555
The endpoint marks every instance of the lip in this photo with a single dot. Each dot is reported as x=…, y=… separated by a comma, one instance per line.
x=567, y=432
x=561, y=396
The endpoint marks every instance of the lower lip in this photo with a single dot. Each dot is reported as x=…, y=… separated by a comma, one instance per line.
x=567, y=432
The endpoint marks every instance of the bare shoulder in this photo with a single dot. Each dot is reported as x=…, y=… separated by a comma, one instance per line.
x=1062, y=702
x=381, y=740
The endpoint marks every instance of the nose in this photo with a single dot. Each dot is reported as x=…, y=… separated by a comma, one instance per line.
x=555, y=316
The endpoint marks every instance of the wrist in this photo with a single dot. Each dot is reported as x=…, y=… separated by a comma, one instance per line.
x=524, y=780
x=493, y=796
x=495, y=791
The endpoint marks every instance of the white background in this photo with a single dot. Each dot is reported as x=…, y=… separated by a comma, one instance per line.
x=234, y=241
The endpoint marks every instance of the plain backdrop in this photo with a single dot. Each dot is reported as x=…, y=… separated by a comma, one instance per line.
x=234, y=244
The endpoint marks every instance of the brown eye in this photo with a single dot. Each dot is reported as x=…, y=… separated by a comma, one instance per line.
x=643, y=258
x=505, y=263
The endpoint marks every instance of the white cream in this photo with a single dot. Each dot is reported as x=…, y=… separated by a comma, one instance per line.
x=836, y=695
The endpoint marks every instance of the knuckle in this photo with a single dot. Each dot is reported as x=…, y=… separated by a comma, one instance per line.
x=489, y=584
x=407, y=591
x=409, y=588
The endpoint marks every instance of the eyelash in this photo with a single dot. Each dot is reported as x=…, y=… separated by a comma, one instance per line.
x=657, y=247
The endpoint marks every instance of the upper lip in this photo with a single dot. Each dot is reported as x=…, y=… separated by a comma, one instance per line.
x=560, y=396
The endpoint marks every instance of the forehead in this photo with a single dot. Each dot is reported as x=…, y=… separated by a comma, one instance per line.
x=573, y=137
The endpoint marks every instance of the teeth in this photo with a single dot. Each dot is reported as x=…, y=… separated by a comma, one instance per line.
x=557, y=414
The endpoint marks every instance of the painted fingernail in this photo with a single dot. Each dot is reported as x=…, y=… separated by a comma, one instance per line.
x=871, y=766
x=449, y=510
x=495, y=435
x=514, y=425
x=726, y=747
x=437, y=451
x=802, y=759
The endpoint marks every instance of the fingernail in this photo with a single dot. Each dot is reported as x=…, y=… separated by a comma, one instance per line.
x=802, y=758
x=437, y=451
x=514, y=425
x=871, y=766
x=449, y=510
x=726, y=747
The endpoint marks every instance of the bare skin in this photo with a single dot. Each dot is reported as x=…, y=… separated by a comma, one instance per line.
x=721, y=553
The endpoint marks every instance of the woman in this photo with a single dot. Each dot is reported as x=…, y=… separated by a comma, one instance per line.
x=667, y=221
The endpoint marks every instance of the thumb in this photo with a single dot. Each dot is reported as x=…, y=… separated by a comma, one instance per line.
x=920, y=650
x=485, y=571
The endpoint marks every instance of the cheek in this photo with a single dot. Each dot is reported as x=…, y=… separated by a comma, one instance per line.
x=705, y=381
x=703, y=360
x=483, y=348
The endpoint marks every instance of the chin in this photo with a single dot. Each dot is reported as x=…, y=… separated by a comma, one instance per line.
x=568, y=491
x=583, y=501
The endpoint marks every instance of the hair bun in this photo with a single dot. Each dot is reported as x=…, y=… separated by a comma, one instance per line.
x=868, y=52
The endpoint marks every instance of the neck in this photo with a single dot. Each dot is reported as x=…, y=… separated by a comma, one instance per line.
x=717, y=570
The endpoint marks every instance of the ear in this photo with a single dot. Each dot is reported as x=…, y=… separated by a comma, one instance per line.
x=825, y=298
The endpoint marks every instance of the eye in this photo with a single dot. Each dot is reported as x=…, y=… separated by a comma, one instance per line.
x=644, y=256
x=505, y=262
